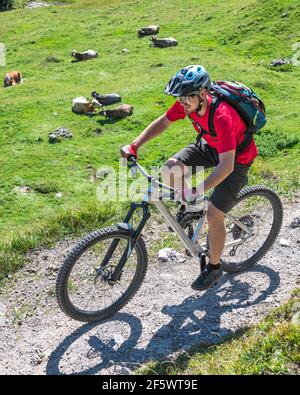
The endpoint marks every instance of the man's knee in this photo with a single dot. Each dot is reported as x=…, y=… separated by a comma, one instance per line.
x=215, y=217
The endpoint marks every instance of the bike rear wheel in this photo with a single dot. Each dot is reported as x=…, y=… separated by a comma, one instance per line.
x=260, y=209
x=83, y=288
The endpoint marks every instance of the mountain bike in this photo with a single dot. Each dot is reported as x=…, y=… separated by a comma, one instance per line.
x=105, y=269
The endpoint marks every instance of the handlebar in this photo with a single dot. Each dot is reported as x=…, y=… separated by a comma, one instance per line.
x=134, y=164
x=153, y=181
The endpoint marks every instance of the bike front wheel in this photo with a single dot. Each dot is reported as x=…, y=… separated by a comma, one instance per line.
x=84, y=290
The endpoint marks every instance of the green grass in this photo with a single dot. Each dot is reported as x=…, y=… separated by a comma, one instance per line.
x=70, y=222
x=271, y=347
x=233, y=42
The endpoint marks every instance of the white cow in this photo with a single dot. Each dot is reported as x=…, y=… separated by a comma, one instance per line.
x=89, y=54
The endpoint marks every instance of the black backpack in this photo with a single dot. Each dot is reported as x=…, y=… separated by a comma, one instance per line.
x=244, y=100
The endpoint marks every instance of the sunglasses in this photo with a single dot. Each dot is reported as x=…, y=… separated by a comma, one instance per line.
x=185, y=99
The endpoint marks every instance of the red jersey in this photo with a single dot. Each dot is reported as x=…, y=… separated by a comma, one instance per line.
x=229, y=127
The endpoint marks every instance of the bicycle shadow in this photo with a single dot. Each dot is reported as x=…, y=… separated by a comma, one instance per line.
x=196, y=320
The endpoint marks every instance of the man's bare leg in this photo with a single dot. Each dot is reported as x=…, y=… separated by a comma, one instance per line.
x=174, y=173
x=216, y=237
x=216, y=233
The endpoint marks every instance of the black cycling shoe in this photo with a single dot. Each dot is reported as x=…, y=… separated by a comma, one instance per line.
x=207, y=278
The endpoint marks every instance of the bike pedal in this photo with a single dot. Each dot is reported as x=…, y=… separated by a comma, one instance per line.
x=187, y=252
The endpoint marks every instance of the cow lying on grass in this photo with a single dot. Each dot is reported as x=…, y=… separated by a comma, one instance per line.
x=89, y=54
x=81, y=105
x=148, y=31
x=13, y=78
x=124, y=110
x=163, y=42
x=108, y=99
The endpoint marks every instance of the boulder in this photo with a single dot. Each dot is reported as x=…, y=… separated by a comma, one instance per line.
x=52, y=59
x=59, y=134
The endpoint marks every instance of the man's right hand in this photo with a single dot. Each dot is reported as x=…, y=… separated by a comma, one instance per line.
x=128, y=150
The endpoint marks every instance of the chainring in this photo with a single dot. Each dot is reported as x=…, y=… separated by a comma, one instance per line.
x=237, y=232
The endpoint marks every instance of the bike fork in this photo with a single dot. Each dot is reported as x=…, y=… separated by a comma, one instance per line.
x=134, y=235
x=115, y=242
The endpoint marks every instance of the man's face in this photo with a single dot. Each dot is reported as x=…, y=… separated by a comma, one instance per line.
x=190, y=103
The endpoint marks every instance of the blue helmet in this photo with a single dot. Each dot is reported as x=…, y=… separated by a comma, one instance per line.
x=189, y=80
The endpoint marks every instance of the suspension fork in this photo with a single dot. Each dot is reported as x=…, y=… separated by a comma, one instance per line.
x=134, y=235
x=115, y=242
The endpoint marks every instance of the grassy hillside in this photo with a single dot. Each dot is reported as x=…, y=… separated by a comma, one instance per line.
x=233, y=40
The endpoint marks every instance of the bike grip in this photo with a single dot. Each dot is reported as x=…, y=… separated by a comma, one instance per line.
x=131, y=158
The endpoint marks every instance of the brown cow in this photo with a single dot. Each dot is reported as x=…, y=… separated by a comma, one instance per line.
x=13, y=78
x=124, y=110
x=163, y=42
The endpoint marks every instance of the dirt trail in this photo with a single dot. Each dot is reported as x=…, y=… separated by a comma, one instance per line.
x=165, y=317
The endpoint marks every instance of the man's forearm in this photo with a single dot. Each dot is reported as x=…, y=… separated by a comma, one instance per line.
x=224, y=168
x=154, y=129
x=215, y=178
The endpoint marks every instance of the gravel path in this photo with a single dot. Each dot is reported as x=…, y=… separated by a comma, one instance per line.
x=164, y=318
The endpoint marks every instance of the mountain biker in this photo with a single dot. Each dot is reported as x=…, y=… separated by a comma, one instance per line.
x=191, y=87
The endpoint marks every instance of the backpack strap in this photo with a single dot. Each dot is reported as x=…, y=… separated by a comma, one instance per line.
x=216, y=101
x=248, y=132
x=246, y=142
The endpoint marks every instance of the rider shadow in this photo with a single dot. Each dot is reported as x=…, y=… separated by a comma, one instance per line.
x=196, y=320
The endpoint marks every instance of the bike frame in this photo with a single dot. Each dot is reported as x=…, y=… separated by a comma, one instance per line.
x=156, y=188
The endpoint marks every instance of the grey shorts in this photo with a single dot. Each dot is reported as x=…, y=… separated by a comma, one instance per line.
x=224, y=195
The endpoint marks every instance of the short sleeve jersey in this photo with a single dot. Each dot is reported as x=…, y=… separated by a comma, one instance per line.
x=229, y=127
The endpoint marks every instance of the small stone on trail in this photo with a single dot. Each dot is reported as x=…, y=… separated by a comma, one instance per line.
x=284, y=242
x=169, y=254
x=295, y=223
